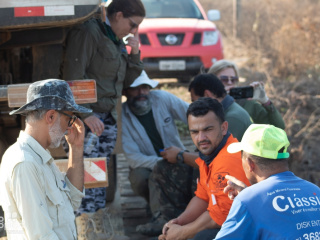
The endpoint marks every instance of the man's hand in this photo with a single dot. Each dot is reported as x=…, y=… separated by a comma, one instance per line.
x=166, y=226
x=234, y=187
x=162, y=237
x=95, y=124
x=134, y=43
x=170, y=154
x=75, y=136
x=259, y=94
x=173, y=232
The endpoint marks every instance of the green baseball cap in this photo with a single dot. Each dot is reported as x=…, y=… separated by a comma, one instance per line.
x=264, y=141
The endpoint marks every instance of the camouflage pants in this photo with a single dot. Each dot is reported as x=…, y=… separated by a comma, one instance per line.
x=95, y=198
x=174, y=184
x=139, y=179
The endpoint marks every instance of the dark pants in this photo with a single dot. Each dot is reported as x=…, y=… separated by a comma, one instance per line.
x=139, y=178
x=174, y=187
x=208, y=234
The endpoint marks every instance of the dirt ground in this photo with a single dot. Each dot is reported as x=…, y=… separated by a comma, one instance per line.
x=297, y=98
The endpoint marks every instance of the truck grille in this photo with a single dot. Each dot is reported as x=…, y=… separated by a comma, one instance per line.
x=196, y=38
x=177, y=39
x=144, y=39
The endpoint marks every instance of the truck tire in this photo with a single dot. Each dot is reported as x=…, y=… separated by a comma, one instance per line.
x=112, y=177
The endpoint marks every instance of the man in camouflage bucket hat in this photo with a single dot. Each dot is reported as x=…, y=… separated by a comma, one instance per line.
x=38, y=200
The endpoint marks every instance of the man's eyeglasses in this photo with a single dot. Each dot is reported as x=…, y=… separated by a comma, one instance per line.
x=133, y=24
x=226, y=79
x=72, y=119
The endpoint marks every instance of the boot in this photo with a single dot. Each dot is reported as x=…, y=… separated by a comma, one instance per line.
x=152, y=228
x=85, y=227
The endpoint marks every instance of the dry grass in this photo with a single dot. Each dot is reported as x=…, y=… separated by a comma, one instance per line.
x=286, y=31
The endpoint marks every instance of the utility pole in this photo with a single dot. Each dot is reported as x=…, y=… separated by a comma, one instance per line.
x=236, y=13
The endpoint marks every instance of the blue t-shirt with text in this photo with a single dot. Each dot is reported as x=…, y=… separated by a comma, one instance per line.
x=281, y=207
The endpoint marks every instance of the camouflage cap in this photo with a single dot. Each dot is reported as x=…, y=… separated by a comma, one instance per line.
x=50, y=94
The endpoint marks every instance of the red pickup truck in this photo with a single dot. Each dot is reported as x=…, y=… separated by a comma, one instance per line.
x=178, y=39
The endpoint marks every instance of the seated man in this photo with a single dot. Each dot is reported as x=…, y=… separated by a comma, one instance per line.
x=278, y=205
x=147, y=128
x=238, y=120
x=208, y=85
x=207, y=211
x=38, y=200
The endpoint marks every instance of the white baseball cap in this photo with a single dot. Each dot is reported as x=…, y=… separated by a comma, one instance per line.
x=144, y=79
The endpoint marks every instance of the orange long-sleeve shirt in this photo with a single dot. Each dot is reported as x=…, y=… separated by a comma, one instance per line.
x=212, y=181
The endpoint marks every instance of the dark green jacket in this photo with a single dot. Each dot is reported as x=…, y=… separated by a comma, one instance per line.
x=263, y=115
x=238, y=119
x=90, y=54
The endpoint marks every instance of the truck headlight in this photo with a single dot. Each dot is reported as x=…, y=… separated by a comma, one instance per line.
x=210, y=38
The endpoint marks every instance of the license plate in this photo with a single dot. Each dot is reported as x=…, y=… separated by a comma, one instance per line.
x=172, y=65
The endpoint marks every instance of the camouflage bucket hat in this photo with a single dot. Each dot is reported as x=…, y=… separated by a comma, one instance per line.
x=50, y=94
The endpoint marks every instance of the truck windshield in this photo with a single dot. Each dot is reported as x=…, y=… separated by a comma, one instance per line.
x=171, y=9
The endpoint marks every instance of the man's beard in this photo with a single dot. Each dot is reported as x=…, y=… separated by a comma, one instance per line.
x=56, y=134
x=140, y=107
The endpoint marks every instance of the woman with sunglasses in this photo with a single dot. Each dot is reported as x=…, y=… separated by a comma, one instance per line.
x=260, y=107
x=95, y=50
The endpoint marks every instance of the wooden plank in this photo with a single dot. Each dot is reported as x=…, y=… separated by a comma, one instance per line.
x=96, y=173
x=84, y=91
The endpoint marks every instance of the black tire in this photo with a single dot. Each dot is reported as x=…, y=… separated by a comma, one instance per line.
x=112, y=177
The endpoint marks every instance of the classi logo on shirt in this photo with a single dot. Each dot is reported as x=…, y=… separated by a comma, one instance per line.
x=295, y=203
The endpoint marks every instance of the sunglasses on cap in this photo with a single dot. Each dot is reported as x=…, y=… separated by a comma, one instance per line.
x=226, y=79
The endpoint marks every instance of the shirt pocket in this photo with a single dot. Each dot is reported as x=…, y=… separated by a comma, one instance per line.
x=106, y=61
x=168, y=125
x=56, y=207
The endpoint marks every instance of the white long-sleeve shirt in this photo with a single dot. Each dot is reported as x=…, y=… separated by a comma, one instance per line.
x=38, y=200
x=136, y=144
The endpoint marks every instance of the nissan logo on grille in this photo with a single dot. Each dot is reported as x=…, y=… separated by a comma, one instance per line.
x=171, y=39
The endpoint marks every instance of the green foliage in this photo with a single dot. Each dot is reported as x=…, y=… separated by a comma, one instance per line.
x=182, y=128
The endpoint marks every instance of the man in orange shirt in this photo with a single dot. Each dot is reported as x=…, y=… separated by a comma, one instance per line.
x=209, y=208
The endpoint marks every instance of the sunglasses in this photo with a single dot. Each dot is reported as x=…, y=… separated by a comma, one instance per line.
x=72, y=119
x=133, y=24
x=226, y=79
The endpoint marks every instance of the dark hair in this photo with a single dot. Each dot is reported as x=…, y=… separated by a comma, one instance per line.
x=129, y=8
x=267, y=163
x=205, y=104
x=207, y=81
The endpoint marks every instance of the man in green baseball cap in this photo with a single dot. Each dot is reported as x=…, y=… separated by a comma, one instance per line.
x=278, y=205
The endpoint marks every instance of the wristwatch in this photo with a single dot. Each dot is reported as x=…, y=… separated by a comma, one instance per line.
x=180, y=158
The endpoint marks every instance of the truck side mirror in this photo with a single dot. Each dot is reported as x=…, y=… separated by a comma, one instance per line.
x=213, y=15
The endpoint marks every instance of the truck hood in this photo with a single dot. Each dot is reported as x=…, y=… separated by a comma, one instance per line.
x=175, y=24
